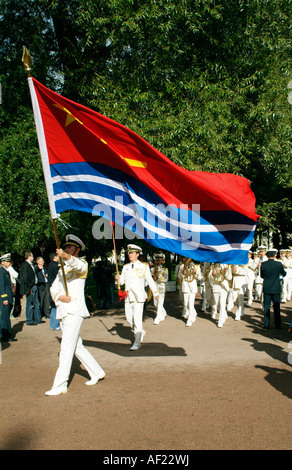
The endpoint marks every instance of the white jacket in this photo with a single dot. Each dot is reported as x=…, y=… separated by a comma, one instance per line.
x=76, y=272
x=162, y=277
x=189, y=283
x=134, y=280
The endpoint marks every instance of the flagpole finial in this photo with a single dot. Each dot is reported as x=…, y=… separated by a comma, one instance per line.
x=27, y=61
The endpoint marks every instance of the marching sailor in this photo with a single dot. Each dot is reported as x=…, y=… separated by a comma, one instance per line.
x=289, y=274
x=160, y=277
x=71, y=311
x=189, y=274
x=262, y=250
x=207, y=292
x=250, y=278
x=178, y=279
x=239, y=283
x=285, y=262
x=133, y=276
x=219, y=277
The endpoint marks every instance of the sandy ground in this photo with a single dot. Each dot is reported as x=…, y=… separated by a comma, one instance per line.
x=193, y=388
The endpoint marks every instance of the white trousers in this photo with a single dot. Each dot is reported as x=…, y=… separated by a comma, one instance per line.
x=258, y=291
x=284, y=296
x=189, y=310
x=220, y=297
x=180, y=295
x=238, y=297
x=160, y=310
x=289, y=288
x=249, y=290
x=134, y=316
x=207, y=296
x=72, y=344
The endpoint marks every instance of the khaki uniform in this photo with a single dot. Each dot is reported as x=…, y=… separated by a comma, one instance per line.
x=161, y=275
x=189, y=274
x=219, y=277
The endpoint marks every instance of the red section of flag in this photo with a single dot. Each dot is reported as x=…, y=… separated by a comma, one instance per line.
x=75, y=133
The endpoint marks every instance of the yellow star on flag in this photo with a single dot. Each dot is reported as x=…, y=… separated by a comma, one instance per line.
x=131, y=161
x=69, y=118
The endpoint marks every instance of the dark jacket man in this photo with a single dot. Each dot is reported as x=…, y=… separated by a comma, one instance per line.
x=6, y=299
x=29, y=288
x=27, y=275
x=271, y=272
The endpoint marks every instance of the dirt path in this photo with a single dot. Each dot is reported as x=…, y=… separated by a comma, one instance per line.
x=201, y=387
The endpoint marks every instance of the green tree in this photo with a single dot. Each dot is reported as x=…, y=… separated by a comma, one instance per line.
x=205, y=82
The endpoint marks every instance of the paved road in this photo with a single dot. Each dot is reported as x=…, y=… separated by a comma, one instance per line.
x=201, y=387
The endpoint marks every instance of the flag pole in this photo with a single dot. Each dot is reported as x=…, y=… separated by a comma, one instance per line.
x=121, y=294
x=27, y=61
x=114, y=243
x=61, y=259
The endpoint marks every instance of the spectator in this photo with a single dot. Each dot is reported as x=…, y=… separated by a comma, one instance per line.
x=6, y=299
x=43, y=288
x=28, y=287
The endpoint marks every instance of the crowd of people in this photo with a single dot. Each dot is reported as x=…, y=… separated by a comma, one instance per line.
x=221, y=287
x=224, y=287
x=27, y=291
x=60, y=294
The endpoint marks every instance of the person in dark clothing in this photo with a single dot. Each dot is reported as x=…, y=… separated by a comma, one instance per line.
x=6, y=302
x=42, y=285
x=28, y=287
x=53, y=269
x=270, y=271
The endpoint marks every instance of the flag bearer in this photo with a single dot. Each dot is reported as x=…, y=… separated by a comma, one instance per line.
x=71, y=311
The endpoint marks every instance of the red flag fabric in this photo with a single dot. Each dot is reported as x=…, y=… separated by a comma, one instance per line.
x=89, y=158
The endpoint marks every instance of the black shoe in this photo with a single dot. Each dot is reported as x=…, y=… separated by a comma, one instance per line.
x=12, y=340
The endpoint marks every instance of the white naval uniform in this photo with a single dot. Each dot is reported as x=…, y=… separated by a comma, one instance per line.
x=285, y=262
x=162, y=277
x=72, y=315
x=239, y=283
x=289, y=278
x=258, y=279
x=133, y=276
x=207, y=292
x=178, y=281
x=189, y=289
x=250, y=280
x=219, y=277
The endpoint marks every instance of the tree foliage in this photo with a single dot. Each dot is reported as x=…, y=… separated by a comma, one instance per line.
x=204, y=82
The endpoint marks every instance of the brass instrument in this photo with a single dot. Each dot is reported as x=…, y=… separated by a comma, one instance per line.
x=219, y=273
x=189, y=270
x=206, y=271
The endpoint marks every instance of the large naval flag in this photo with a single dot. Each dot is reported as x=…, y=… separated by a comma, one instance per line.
x=92, y=163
